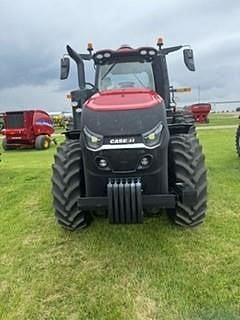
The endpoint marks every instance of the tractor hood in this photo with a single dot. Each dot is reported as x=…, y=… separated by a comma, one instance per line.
x=123, y=112
x=124, y=99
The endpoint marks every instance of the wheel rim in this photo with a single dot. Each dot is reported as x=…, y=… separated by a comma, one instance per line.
x=46, y=144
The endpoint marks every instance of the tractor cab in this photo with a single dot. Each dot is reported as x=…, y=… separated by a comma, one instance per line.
x=127, y=68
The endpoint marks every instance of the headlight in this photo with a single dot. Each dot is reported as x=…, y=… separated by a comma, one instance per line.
x=93, y=140
x=152, y=138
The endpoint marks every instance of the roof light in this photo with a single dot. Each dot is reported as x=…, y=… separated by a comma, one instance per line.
x=143, y=52
x=152, y=52
x=99, y=56
x=107, y=55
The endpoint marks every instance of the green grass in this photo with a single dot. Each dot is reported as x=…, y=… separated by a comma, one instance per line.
x=221, y=119
x=149, y=271
x=58, y=130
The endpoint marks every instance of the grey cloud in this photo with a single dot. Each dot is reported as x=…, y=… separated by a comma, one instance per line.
x=33, y=35
x=26, y=69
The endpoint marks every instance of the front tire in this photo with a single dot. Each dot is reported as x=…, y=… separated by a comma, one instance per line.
x=187, y=167
x=42, y=142
x=238, y=141
x=67, y=186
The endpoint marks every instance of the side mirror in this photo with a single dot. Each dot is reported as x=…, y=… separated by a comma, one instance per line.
x=188, y=59
x=65, y=67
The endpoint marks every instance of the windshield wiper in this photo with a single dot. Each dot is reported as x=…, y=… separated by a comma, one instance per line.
x=108, y=70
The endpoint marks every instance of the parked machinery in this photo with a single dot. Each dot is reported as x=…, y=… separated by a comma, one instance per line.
x=128, y=149
x=200, y=111
x=27, y=129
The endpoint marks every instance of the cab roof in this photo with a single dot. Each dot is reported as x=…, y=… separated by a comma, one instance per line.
x=124, y=53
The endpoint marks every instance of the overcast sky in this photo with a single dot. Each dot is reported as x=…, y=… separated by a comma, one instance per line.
x=33, y=36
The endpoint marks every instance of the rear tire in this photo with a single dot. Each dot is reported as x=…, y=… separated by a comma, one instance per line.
x=6, y=146
x=238, y=141
x=67, y=186
x=185, y=117
x=69, y=125
x=187, y=167
x=42, y=142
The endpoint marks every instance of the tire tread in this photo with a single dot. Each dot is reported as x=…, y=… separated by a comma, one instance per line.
x=66, y=186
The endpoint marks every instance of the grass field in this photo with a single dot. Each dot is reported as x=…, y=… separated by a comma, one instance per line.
x=149, y=271
x=219, y=119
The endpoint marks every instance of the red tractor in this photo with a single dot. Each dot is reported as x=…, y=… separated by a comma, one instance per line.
x=27, y=129
x=200, y=111
x=128, y=150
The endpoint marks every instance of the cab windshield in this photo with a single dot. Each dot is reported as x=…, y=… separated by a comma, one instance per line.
x=125, y=75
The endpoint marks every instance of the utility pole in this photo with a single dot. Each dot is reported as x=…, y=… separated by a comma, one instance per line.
x=199, y=94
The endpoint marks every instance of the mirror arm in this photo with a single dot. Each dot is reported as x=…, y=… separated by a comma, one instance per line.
x=166, y=51
x=86, y=56
x=80, y=66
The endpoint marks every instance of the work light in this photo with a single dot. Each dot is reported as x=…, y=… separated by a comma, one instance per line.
x=107, y=55
x=152, y=52
x=143, y=52
x=99, y=56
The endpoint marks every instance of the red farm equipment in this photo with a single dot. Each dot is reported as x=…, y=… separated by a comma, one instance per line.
x=200, y=111
x=128, y=150
x=27, y=129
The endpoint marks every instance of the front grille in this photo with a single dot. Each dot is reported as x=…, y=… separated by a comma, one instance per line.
x=15, y=120
x=123, y=160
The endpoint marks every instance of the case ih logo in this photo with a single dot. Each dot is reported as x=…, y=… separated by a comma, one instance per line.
x=122, y=140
